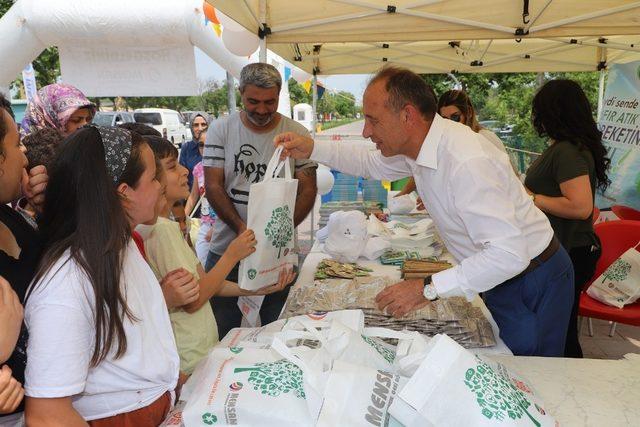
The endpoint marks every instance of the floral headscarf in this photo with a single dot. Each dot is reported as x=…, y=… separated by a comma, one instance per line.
x=52, y=107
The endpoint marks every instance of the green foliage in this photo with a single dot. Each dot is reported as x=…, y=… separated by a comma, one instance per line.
x=297, y=93
x=507, y=97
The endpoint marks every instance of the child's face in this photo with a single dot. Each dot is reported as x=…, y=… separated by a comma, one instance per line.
x=176, y=180
x=141, y=201
x=162, y=199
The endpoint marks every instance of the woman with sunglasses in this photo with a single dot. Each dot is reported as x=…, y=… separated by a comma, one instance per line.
x=455, y=105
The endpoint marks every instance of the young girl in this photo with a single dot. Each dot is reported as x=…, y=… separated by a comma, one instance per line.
x=101, y=345
x=193, y=324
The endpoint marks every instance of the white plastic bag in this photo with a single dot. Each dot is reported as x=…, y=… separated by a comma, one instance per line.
x=619, y=285
x=270, y=216
x=248, y=386
x=357, y=395
x=455, y=387
x=347, y=235
x=375, y=247
x=402, y=204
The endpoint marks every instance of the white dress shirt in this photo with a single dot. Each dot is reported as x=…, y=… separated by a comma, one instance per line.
x=480, y=209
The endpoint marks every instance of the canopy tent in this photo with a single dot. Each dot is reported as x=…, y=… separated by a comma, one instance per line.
x=436, y=36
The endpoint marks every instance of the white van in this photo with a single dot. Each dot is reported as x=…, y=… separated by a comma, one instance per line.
x=168, y=122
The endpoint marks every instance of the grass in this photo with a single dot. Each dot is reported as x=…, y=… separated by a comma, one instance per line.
x=336, y=123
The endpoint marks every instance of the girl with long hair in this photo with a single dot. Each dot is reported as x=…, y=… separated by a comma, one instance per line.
x=101, y=346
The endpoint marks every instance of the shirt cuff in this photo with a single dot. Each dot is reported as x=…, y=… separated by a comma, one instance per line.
x=321, y=151
x=451, y=283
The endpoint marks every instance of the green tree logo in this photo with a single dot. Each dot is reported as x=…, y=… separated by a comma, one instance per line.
x=279, y=229
x=388, y=355
x=618, y=271
x=496, y=395
x=209, y=419
x=274, y=378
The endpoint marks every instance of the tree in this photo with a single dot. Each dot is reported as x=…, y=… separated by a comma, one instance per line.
x=297, y=93
x=496, y=395
x=345, y=103
x=279, y=229
x=274, y=378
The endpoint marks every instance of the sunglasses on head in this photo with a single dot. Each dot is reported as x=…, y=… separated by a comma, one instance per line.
x=455, y=117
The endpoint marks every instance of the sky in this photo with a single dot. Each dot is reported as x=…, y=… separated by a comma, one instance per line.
x=207, y=69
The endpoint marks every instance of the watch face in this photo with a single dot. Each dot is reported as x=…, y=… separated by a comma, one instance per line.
x=430, y=292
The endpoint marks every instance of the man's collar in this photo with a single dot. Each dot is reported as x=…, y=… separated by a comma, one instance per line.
x=428, y=154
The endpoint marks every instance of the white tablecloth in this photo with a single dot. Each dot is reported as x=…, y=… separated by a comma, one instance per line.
x=316, y=255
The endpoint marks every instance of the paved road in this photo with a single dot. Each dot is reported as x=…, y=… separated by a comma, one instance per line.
x=354, y=128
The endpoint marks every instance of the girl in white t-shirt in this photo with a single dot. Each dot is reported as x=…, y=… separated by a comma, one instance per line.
x=101, y=348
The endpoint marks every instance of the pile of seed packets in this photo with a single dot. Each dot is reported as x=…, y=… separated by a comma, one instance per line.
x=455, y=317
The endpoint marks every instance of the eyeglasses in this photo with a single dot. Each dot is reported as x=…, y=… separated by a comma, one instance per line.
x=455, y=117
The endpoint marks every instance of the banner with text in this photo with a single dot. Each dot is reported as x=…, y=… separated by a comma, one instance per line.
x=620, y=126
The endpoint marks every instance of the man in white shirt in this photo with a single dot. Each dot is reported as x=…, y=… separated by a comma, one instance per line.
x=504, y=245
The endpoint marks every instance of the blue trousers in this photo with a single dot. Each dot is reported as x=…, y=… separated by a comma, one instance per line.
x=533, y=311
x=226, y=310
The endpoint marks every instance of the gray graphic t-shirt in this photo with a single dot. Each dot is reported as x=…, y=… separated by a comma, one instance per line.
x=244, y=155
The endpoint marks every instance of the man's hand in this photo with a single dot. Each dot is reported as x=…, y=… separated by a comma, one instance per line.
x=11, y=314
x=179, y=288
x=402, y=298
x=242, y=246
x=295, y=146
x=36, y=186
x=11, y=391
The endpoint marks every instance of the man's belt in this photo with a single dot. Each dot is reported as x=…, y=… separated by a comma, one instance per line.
x=544, y=256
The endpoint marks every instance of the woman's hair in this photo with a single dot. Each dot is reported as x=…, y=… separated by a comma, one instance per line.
x=561, y=111
x=460, y=99
x=161, y=147
x=83, y=213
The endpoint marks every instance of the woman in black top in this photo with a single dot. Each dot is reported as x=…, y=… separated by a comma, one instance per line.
x=19, y=255
x=563, y=180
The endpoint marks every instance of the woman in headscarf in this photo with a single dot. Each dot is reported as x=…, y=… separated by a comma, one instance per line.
x=59, y=106
x=190, y=154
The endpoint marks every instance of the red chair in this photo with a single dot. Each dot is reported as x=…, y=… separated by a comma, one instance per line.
x=625, y=212
x=596, y=214
x=616, y=237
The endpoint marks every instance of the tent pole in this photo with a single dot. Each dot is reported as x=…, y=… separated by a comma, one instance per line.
x=263, y=39
x=600, y=94
x=231, y=94
x=314, y=121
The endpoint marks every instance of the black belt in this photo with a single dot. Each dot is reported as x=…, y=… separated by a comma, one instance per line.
x=544, y=256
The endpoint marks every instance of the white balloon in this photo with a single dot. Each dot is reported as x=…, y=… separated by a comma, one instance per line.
x=324, y=181
x=241, y=43
x=228, y=23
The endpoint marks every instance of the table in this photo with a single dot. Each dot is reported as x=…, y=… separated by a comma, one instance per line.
x=584, y=392
x=316, y=255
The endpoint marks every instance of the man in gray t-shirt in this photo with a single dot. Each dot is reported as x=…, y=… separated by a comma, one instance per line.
x=236, y=154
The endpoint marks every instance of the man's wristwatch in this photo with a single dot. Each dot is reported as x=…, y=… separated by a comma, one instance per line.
x=429, y=291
